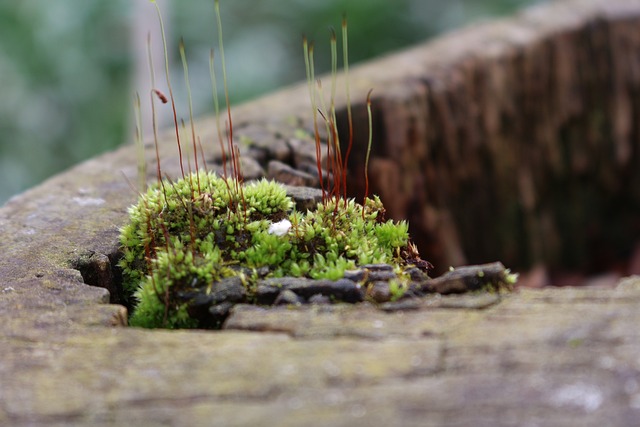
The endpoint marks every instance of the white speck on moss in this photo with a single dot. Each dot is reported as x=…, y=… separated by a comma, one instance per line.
x=280, y=228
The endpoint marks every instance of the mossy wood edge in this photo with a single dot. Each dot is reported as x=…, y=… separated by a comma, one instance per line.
x=61, y=364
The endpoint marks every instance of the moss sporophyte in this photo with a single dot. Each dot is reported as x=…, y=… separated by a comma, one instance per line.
x=207, y=239
x=180, y=244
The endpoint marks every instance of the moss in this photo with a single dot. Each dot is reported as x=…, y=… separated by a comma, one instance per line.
x=185, y=236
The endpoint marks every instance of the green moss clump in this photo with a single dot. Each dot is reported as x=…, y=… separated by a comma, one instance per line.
x=164, y=294
x=184, y=237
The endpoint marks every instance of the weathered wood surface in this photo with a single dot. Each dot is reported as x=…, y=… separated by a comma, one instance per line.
x=517, y=141
x=558, y=357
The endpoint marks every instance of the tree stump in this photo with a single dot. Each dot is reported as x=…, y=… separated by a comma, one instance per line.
x=517, y=141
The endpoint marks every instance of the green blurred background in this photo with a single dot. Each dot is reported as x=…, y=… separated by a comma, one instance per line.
x=69, y=69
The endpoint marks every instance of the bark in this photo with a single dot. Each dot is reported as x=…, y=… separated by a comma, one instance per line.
x=517, y=142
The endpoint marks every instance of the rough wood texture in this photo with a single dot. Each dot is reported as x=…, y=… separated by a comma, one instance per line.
x=518, y=141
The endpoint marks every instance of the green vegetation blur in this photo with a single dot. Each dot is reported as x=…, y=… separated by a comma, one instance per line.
x=66, y=67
